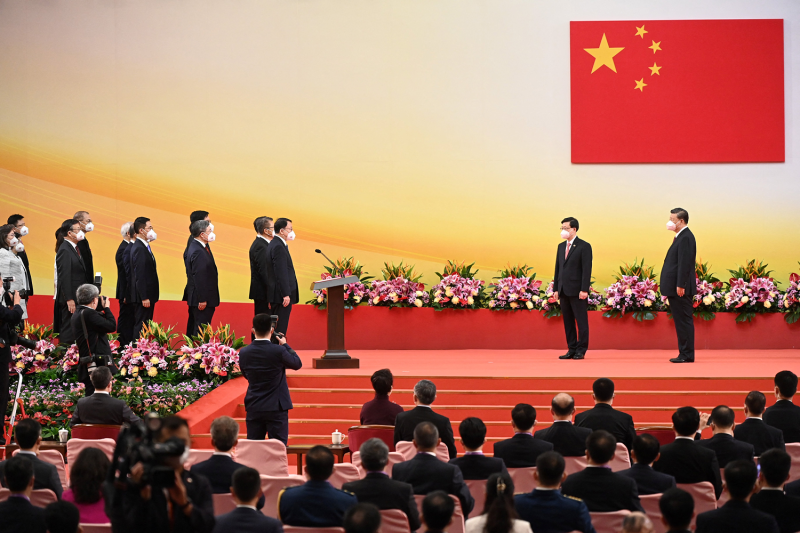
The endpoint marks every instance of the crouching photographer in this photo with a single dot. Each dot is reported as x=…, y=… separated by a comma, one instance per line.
x=10, y=315
x=91, y=322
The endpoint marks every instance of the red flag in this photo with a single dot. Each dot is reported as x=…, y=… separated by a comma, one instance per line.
x=677, y=91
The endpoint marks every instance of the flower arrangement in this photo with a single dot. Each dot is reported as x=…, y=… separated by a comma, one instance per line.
x=709, y=297
x=635, y=291
x=552, y=307
x=791, y=299
x=222, y=335
x=751, y=291
x=50, y=404
x=70, y=359
x=354, y=293
x=162, y=398
x=30, y=361
x=400, y=287
x=208, y=360
x=515, y=289
x=457, y=288
x=145, y=356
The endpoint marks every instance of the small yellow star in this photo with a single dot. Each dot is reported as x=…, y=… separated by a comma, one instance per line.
x=641, y=31
x=654, y=69
x=603, y=55
x=640, y=85
x=655, y=46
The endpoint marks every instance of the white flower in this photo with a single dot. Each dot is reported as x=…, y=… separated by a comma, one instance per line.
x=535, y=298
x=745, y=299
x=707, y=300
x=320, y=299
x=418, y=303
x=648, y=303
x=470, y=300
x=448, y=292
x=529, y=305
x=455, y=299
x=436, y=300
x=767, y=305
x=474, y=292
x=628, y=292
x=419, y=294
x=492, y=303
x=513, y=305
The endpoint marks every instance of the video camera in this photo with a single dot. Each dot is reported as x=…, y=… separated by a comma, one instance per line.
x=9, y=335
x=275, y=334
x=137, y=444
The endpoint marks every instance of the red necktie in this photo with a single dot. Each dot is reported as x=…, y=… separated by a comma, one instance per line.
x=567, y=254
x=208, y=250
x=79, y=252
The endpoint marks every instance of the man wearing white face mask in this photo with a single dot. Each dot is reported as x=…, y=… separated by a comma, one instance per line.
x=144, y=276
x=282, y=289
x=20, y=230
x=571, y=283
x=678, y=282
x=70, y=274
x=194, y=217
x=202, y=289
x=87, y=226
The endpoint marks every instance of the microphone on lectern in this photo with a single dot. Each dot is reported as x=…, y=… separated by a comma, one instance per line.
x=326, y=257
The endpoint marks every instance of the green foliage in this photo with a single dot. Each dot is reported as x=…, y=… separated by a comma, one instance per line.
x=223, y=335
x=639, y=269
x=516, y=271
x=752, y=269
x=400, y=271
x=455, y=267
x=703, y=272
x=165, y=336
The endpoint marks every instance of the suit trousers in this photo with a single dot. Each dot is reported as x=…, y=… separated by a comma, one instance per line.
x=283, y=316
x=272, y=423
x=125, y=323
x=141, y=315
x=574, y=310
x=200, y=318
x=682, y=314
x=65, y=335
x=190, y=325
x=56, y=316
x=5, y=355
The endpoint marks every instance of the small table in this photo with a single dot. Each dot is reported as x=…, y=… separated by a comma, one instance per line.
x=301, y=449
x=45, y=445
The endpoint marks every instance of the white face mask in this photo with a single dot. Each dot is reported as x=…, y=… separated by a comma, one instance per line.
x=210, y=226
x=151, y=236
x=291, y=236
x=670, y=225
x=185, y=456
x=23, y=230
x=211, y=237
x=80, y=235
x=89, y=227
x=564, y=234
x=20, y=247
x=13, y=241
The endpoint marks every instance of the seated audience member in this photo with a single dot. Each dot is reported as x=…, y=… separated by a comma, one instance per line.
x=754, y=430
x=775, y=466
x=785, y=415
x=437, y=511
x=316, y=503
x=380, y=490
x=100, y=407
x=568, y=440
x=86, y=477
x=28, y=435
x=499, y=514
x=17, y=512
x=62, y=517
x=362, y=518
x=645, y=452
x=426, y=473
x=380, y=411
x=545, y=508
x=406, y=422
x=603, y=491
x=604, y=416
x=722, y=443
x=475, y=465
x=737, y=515
x=677, y=510
x=793, y=488
x=246, y=490
x=637, y=522
x=684, y=459
x=521, y=450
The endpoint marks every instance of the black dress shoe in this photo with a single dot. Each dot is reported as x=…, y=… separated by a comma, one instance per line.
x=681, y=359
x=579, y=356
x=568, y=355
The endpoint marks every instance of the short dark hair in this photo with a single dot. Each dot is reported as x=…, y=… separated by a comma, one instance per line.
x=601, y=446
x=382, y=381
x=260, y=224
x=262, y=323
x=62, y=517
x=646, y=448
x=319, y=463
x=246, y=482
x=13, y=219
x=681, y=214
x=425, y=390
x=786, y=381
x=224, y=432
x=755, y=402
x=197, y=215
x=199, y=227
x=18, y=473
x=437, y=510
x=573, y=222
x=775, y=466
x=87, y=474
x=26, y=432
x=563, y=408
x=171, y=424
x=603, y=389
x=550, y=467
x=139, y=224
x=374, y=455
x=677, y=507
x=723, y=417
x=686, y=421
x=100, y=377
x=131, y=231
x=473, y=432
x=281, y=223
x=523, y=416
x=363, y=517
x=5, y=230
x=426, y=435
x=740, y=478
x=66, y=226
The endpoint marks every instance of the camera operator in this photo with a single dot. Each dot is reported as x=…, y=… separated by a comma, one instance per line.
x=11, y=266
x=9, y=318
x=92, y=321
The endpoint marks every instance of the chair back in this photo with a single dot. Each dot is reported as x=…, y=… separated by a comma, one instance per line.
x=408, y=450
x=266, y=456
x=724, y=496
x=223, y=503
x=793, y=449
x=96, y=528
x=95, y=431
x=458, y=514
x=298, y=529
x=621, y=459
x=477, y=487
x=653, y=511
x=43, y=497
x=703, y=495
x=272, y=486
x=394, y=521
x=523, y=479
x=54, y=458
x=343, y=473
x=358, y=435
x=197, y=456
x=574, y=464
x=75, y=446
x=609, y=522
x=663, y=434
x=394, y=458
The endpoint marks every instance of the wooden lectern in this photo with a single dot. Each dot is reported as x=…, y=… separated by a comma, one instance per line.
x=336, y=355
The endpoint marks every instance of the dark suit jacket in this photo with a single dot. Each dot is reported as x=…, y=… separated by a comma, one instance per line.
x=101, y=408
x=70, y=270
x=24, y=256
x=727, y=448
x=602, y=490
x=688, y=462
x=760, y=434
x=185, y=253
x=122, y=272
x=573, y=273
x=281, y=279
x=314, y=504
x=427, y=473
x=793, y=488
x=379, y=411
x=603, y=416
x=785, y=416
x=264, y=366
x=386, y=493
x=678, y=269
x=45, y=475
x=126, y=263
x=259, y=262
x=407, y=421
x=479, y=466
x=19, y=516
x=86, y=255
x=244, y=520
x=521, y=450
x=549, y=511
x=785, y=509
x=736, y=517
x=648, y=481
x=218, y=470
x=202, y=276
x=98, y=325
x=144, y=276
x=152, y=516
x=567, y=439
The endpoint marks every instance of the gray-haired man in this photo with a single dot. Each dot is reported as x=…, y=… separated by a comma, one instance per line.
x=404, y=425
x=92, y=321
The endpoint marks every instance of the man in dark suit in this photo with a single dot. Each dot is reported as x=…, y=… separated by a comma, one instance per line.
x=754, y=430
x=8, y=316
x=245, y=485
x=20, y=230
x=28, y=435
x=677, y=510
x=722, y=443
x=87, y=226
x=259, y=262
x=737, y=516
x=377, y=488
x=771, y=499
x=380, y=410
x=646, y=450
x=100, y=407
x=684, y=459
x=263, y=364
x=92, y=321
x=202, y=289
x=604, y=416
x=567, y=439
x=194, y=217
x=125, y=322
x=785, y=415
x=71, y=274
x=521, y=450
x=17, y=511
x=475, y=465
x=793, y=488
x=571, y=283
x=144, y=276
x=282, y=290
x=406, y=422
x=678, y=282
x=426, y=473
x=603, y=491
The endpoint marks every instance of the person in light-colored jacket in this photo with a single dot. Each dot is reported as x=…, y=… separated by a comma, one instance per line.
x=11, y=265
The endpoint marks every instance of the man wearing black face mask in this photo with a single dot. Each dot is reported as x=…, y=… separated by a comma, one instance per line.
x=20, y=230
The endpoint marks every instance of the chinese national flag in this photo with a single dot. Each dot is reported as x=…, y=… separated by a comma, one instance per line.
x=677, y=91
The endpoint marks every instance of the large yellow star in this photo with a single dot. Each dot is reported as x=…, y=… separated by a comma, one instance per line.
x=603, y=55
x=641, y=31
x=654, y=69
x=640, y=85
x=656, y=46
